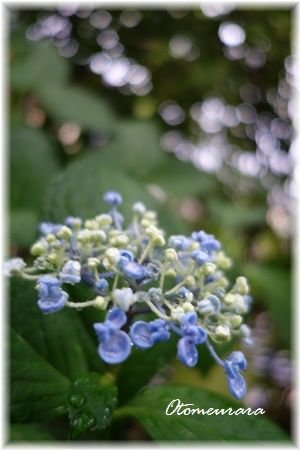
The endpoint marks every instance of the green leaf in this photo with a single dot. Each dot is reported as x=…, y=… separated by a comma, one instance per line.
x=32, y=164
x=28, y=433
x=38, y=390
x=61, y=338
x=272, y=284
x=78, y=191
x=141, y=366
x=38, y=65
x=135, y=147
x=149, y=407
x=79, y=105
x=236, y=215
x=23, y=227
x=180, y=178
x=92, y=400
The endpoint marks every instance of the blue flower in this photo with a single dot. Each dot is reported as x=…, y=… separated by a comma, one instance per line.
x=101, y=286
x=127, y=255
x=179, y=242
x=209, y=305
x=146, y=334
x=200, y=257
x=133, y=270
x=112, y=198
x=51, y=297
x=193, y=335
x=207, y=241
x=70, y=273
x=183, y=292
x=236, y=382
x=49, y=228
x=115, y=345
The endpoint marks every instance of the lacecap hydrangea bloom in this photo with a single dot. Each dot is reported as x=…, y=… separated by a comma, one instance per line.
x=180, y=279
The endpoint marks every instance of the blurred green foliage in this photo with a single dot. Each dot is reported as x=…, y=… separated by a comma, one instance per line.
x=118, y=146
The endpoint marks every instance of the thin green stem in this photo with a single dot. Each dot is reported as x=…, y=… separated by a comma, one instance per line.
x=157, y=311
x=145, y=252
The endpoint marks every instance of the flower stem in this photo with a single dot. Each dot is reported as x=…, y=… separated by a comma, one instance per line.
x=156, y=311
x=213, y=353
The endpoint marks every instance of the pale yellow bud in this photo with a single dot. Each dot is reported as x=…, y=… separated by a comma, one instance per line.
x=171, y=254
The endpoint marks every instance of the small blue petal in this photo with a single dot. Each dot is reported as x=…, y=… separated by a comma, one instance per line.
x=134, y=270
x=52, y=304
x=49, y=228
x=187, y=352
x=112, y=198
x=238, y=359
x=117, y=317
x=116, y=349
x=103, y=330
x=189, y=318
x=200, y=257
x=140, y=334
x=179, y=242
x=127, y=255
x=101, y=286
x=237, y=386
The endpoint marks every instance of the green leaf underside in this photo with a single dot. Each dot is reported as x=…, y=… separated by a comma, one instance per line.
x=149, y=406
x=38, y=391
x=60, y=338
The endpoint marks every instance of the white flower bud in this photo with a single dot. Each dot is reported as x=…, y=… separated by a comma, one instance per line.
x=242, y=285
x=209, y=269
x=177, y=313
x=171, y=254
x=97, y=236
x=124, y=297
x=240, y=305
x=245, y=331
x=222, y=261
x=14, y=266
x=229, y=299
x=113, y=255
x=100, y=302
x=93, y=263
x=171, y=273
x=190, y=280
x=222, y=333
x=104, y=220
x=50, y=238
x=39, y=249
x=64, y=233
x=139, y=208
x=188, y=307
x=150, y=215
x=145, y=223
x=91, y=224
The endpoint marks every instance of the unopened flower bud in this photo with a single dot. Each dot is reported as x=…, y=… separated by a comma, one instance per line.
x=242, y=285
x=103, y=220
x=188, y=307
x=171, y=273
x=171, y=254
x=113, y=255
x=38, y=249
x=222, y=333
x=229, y=299
x=209, y=269
x=139, y=208
x=64, y=233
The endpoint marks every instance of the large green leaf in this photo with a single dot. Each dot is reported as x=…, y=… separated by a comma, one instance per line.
x=76, y=104
x=33, y=162
x=149, y=408
x=141, y=366
x=28, y=433
x=135, y=147
x=79, y=189
x=23, y=227
x=92, y=401
x=180, y=178
x=37, y=65
x=272, y=284
x=38, y=390
x=61, y=337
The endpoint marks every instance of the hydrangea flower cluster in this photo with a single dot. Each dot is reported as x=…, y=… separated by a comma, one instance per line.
x=180, y=279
